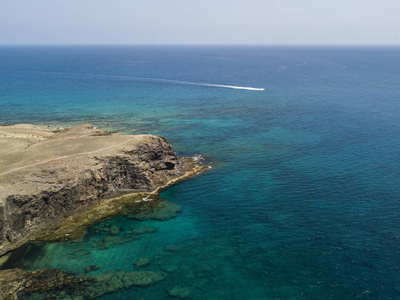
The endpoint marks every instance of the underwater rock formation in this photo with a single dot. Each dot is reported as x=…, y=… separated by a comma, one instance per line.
x=141, y=262
x=179, y=292
x=50, y=284
x=91, y=269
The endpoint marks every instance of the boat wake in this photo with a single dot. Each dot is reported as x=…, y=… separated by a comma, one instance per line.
x=180, y=82
x=159, y=80
x=235, y=87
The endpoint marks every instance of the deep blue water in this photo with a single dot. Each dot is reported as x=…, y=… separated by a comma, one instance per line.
x=303, y=199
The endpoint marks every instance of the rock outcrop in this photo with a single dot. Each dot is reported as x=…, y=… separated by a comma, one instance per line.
x=48, y=177
x=56, y=284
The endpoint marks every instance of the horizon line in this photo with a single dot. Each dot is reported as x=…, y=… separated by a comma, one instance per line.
x=211, y=45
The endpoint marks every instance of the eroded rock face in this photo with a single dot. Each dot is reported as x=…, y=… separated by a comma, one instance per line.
x=50, y=175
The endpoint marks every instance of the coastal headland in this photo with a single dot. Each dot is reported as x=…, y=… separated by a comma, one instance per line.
x=55, y=183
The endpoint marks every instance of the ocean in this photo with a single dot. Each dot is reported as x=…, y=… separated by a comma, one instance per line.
x=303, y=198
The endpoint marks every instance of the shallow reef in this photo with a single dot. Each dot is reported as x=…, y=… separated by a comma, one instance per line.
x=91, y=282
x=57, y=284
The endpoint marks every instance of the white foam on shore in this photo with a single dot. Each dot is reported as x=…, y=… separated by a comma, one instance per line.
x=145, y=199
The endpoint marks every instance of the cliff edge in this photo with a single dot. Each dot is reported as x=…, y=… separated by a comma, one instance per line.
x=49, y=176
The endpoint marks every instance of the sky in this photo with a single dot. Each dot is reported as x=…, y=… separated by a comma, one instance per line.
x=263, y=22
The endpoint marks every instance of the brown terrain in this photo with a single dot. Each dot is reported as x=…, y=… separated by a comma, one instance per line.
x=54, y=183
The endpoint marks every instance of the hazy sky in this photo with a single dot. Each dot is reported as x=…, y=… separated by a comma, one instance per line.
x=200, y=22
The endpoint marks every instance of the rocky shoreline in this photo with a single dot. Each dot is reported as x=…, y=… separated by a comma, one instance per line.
x=55, y=183
x=57, y=284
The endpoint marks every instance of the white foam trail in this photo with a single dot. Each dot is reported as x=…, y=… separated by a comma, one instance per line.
x=160, y=80
x=249, y=88
x=236, y=87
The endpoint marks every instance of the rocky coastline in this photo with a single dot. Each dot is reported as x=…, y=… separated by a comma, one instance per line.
x=55, y=183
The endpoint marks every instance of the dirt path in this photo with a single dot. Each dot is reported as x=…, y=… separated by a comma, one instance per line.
x=62, y=157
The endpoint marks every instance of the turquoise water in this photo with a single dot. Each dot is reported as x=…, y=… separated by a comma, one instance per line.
x=303, y=198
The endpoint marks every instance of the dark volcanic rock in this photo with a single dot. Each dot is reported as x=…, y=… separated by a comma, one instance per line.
x=56, y=284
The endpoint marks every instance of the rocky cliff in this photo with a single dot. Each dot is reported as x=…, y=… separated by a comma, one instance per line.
x=49, y=176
